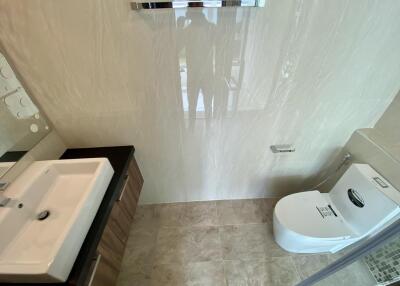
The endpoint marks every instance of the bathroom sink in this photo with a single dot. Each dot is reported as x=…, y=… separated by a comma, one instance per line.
x=43, y=227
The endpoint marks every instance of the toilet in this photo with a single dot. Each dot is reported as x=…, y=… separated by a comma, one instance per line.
x=360, y=204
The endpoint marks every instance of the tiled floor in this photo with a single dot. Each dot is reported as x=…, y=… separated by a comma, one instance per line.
x=218, y=243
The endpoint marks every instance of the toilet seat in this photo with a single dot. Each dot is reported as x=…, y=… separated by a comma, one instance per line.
x=308, y=214
x=360, y=204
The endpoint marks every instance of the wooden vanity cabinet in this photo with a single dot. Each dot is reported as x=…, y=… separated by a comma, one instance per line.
x=106, y=265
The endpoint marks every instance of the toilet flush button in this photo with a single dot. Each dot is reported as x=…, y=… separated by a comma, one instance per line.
x=380, y=182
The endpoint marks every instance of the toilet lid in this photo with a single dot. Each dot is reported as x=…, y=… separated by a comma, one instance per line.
x=312, y=214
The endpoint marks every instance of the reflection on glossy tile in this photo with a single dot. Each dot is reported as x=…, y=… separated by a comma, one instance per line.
x=205, y=92
x=279, y=271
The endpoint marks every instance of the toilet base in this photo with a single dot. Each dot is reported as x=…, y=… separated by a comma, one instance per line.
x=296, y=243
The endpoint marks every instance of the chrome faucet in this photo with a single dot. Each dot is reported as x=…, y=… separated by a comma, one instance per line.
x=3, y=199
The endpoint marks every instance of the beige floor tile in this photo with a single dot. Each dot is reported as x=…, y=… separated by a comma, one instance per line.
x=189, y=244
x=171, y=214
x=200, y=214
x=251, y=241
x=140, y=247
x=146, y=216
x=187, y=214
x=357, y=274
x=202, y=244
x=271, y=203
x=170, y=245
x=307, y=265
x=135, y=276
x=278, y=271
x=208, y=273
x=168, y=275
x=244, y=211
x=218, y=243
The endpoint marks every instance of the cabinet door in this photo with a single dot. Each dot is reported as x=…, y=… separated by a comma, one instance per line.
x=130, y=194
x=111, y=249
x=112, y=244
x=113, y=240
x=103, y=272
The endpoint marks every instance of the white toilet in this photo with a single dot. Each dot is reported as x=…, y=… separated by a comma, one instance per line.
x=360, y=204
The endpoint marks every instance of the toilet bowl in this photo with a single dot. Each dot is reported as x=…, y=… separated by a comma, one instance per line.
x=360, y=204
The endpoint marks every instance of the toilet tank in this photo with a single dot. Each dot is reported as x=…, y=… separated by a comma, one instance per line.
x=365, y=199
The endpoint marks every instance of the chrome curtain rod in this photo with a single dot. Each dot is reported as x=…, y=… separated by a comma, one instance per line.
x=196, y=4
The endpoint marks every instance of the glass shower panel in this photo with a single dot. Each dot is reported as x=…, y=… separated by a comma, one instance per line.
x=379, y=267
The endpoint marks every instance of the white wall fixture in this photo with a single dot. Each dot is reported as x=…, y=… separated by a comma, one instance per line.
x=34, y=250
x=361, y=204
x=13, y=93
x=282, y=148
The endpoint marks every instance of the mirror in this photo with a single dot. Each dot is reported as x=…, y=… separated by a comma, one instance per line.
x=22, y=125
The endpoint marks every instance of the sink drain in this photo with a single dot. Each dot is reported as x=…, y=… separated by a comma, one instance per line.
x=43, y=215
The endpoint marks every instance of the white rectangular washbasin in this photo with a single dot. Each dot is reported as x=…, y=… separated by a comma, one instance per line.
x=33, y=250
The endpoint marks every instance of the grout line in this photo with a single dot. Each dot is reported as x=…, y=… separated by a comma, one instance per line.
x=217, y=214
x=154, y=250
x=219, y=228
x=217, y=225
x=210, y=201
x=296, y=269
x=222, y=257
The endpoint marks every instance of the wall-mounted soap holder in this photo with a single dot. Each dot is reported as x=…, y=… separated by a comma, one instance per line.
x=282, y=148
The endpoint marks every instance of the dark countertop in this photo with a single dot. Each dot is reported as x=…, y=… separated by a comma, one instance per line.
x=12, y=156
x=119, y=157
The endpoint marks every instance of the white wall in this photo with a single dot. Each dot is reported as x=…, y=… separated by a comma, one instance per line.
x=389, y=125
x=371, y=147
x=385, y=135
x=301, y=72
x=378, y=146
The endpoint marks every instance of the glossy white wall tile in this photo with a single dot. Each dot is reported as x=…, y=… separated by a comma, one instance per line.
x=306, y=73
x=389, y=125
